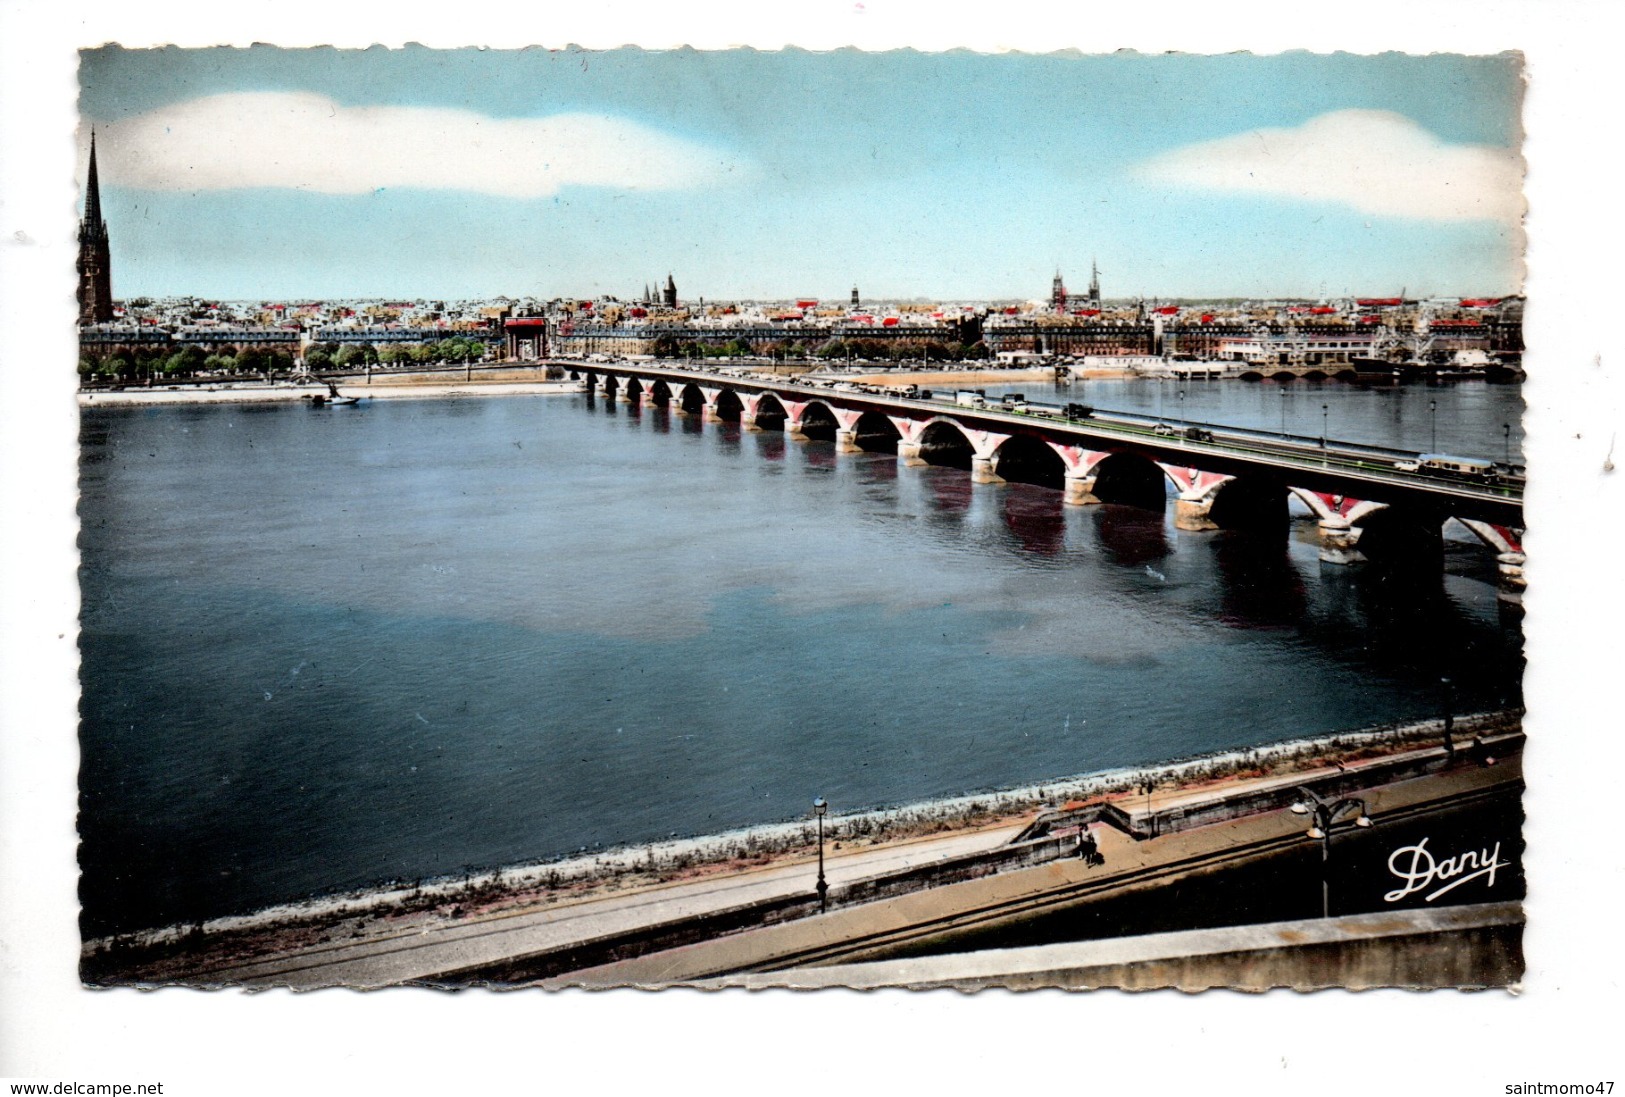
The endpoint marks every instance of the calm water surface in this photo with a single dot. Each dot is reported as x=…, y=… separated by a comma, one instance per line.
x=323, y=649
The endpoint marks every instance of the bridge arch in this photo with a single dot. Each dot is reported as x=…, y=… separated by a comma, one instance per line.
x=1250, y=503
x=770, y=412
x=944, y=442
x=1131, y=479
x=729, y=407
x=1396, y=538
x=687, y=397
x=876, y=433
x=1026, y=459
x=818, y=421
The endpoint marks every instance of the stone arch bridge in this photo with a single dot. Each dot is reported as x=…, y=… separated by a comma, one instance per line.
x=1367, y=507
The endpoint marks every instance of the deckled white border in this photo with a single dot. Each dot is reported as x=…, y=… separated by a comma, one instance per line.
x=1561, y=1028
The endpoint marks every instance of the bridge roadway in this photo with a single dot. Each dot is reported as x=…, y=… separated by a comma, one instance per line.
x=1348, y=473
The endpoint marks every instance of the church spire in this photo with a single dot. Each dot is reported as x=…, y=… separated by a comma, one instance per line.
x=95, y=263
x=93, y=193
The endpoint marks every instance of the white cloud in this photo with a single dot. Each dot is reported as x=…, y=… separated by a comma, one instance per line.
x=308, y=142
x=1380, y=163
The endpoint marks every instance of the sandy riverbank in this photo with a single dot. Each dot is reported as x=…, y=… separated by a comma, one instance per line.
x=294, y=394
x=959, y=378
x=168, y=952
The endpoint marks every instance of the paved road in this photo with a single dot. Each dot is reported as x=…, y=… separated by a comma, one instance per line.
x=873, y=931
x=424, y=952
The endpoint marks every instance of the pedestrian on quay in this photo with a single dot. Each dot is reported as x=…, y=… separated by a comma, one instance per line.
x=1088, y=849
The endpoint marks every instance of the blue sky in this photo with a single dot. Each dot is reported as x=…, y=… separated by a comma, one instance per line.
x=326, y=173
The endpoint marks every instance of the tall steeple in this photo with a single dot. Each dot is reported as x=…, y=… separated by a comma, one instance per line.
x=95, y=260
x=93, y=189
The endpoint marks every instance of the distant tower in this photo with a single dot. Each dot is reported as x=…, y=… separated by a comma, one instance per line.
x=1057, y=293
x=1094, y=284
x=95, y=262
x=854, y=296
x=646, y=293
x=671, y=292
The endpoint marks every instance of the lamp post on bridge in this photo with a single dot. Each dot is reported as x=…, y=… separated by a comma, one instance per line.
x=1433, y=426
x=819, y=808
x=1325, y=412
x=1506, y=431
x=1181, y=406
x=1283, y=411
x=1326, y=813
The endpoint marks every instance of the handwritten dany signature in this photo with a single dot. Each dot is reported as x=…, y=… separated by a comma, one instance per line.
x=1419, y=869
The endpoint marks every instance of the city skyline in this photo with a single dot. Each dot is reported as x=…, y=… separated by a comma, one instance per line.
x=235, y=174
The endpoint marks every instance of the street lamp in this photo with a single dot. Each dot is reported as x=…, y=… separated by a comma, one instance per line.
x=819, y=808
x=1506, y=430
x=1433, y=425
x=1283, y=413
x=1326, y=813
x=1146, y=786
x=1325, y=410
x=1449, y=714
x=1181, y=405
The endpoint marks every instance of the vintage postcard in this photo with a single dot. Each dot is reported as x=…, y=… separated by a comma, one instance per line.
x=566, y=517
x=937, y=501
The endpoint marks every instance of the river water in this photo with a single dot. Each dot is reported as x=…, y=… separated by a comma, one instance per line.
x=328, y=648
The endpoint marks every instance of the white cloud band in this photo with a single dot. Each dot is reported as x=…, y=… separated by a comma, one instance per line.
x=308, y=142
x=1377, y=162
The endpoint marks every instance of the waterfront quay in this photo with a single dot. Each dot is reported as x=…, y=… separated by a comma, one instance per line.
x=1196, y=855
x=1387, y=339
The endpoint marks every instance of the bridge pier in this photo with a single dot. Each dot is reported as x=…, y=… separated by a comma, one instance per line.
x=1080, y=492
x=622, y=396
x=910, y=453
x=709, y=413
x=1191, y=512
x=1510, y=566
x=981, y=471
x=1338, y=536
x=846, y=441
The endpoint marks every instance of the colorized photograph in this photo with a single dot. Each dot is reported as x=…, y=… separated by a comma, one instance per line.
x=587, y=518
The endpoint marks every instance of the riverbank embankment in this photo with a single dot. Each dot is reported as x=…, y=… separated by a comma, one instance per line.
x=640, y=878
x=392, y=389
